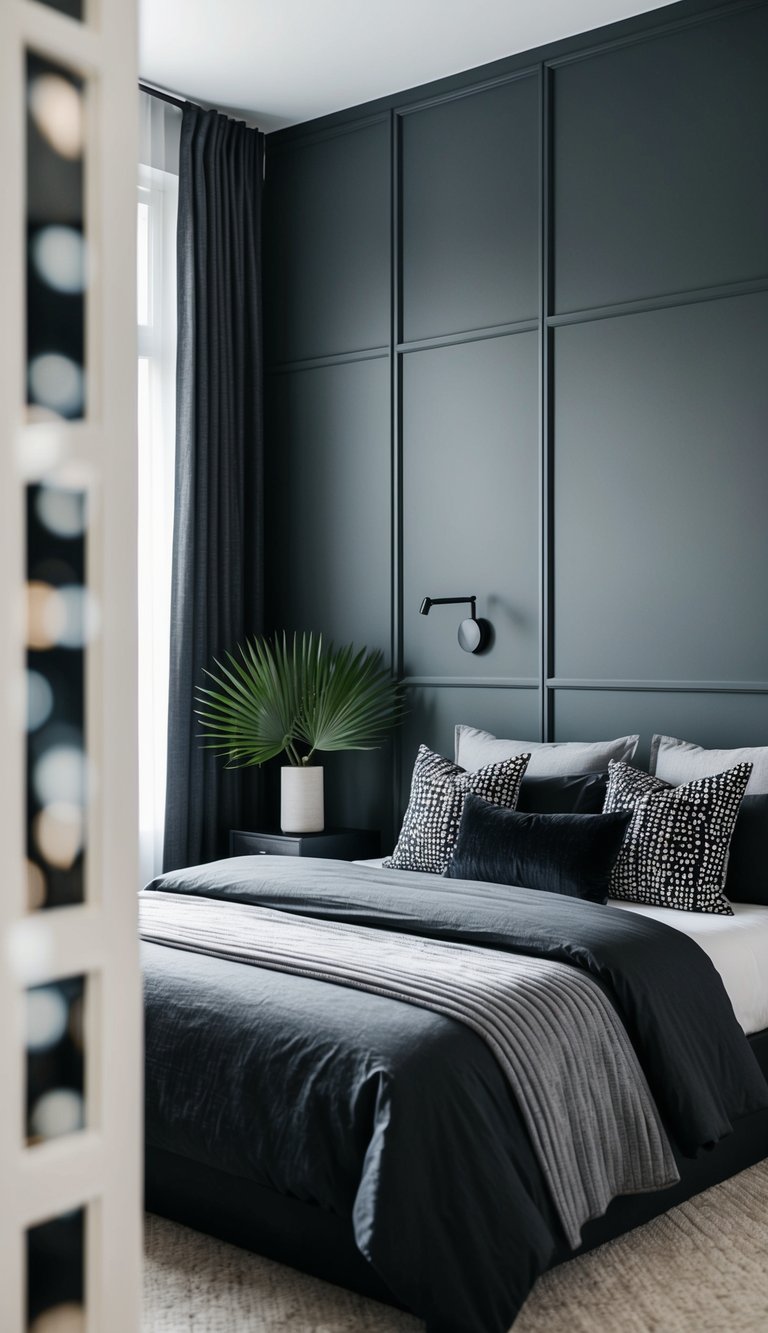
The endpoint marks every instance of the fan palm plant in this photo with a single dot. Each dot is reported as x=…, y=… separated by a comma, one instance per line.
x=296, y=696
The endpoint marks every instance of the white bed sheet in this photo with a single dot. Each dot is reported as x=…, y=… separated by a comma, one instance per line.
x=737, y=945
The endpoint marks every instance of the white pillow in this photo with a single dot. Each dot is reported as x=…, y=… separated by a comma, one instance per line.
x=475, y=749
x=677, y=762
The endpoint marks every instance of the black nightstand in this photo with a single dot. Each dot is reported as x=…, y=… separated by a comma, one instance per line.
x=340, y=844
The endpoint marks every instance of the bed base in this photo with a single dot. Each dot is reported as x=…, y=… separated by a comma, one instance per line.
x=320, y=1243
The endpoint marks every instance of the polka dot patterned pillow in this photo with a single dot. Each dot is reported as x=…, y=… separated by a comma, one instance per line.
x=438, y=787
x=675, y=850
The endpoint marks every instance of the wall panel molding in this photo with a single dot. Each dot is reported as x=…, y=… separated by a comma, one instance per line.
x=692, y=297
x=475, y=682
x=335, y=359
x=663, y=686
x=468, y=336
x=528, y=71
x=393, y=806
x=546, y=252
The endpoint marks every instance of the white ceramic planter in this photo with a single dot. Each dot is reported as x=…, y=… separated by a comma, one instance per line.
x=301, y=800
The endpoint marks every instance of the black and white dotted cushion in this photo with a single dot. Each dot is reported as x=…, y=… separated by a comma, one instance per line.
x=675, y=850
x=438, y=787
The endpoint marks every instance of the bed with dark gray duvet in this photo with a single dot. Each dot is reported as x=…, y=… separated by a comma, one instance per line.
x=430, y=1090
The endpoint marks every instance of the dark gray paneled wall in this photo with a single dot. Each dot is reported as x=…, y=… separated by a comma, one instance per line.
x=470, y=503
x=518, y=326
x=469, y=202
x=659, y=152
x=327, y=271
x=660, y=482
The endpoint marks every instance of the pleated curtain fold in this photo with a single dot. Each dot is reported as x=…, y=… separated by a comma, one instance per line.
x=216, y=588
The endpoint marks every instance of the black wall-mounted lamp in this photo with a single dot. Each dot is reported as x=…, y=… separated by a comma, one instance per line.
x=473, y=634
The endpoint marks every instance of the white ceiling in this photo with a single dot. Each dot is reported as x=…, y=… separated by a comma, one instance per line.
x=280, y=62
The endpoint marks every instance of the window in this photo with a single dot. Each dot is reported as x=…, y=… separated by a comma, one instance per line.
x=156, y=312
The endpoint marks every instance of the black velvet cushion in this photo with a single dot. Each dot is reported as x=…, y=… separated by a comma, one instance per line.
x=747, y=876
x=567, y=794
x=569, y=854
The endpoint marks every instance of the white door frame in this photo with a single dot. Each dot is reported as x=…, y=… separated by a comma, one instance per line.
x=99, y=1167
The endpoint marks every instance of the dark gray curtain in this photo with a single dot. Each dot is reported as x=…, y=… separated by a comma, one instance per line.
x=216, y=590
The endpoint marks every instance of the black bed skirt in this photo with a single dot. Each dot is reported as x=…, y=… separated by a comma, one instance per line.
x=321, y=1243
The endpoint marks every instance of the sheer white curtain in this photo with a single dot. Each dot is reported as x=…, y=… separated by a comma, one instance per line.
x=159, y=132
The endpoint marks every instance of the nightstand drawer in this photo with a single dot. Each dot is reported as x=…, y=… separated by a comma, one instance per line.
x=242, y=843
x=337, y=844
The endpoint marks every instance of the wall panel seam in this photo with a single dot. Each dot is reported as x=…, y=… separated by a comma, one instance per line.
x=475, y=682
x=647, y=304
x=396, y=427
x=332, y=359
x=467, y=90
x=663, y=686
x=457, y=339
x=546, y=536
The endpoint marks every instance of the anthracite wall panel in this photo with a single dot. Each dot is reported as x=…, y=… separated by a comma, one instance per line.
x=327, y=256
x=599, y=476
x=434, y=712
x=661, y=494
x=329, y=507
x=470, y=225
x=660, y=152
x=358, y=790
x=470, y=491
x=717, y=720
x=329, y=487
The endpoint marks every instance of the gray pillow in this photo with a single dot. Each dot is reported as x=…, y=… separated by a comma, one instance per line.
x=677, y=762
x=475, y=749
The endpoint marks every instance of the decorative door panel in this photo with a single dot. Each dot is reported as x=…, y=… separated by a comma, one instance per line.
x=70, y=1047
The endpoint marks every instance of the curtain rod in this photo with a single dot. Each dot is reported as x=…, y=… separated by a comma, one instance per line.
x=163, y=97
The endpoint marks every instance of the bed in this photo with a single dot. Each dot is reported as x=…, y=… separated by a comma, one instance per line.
x=376, y=1142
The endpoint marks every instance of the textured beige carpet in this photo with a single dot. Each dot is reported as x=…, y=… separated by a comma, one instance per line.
x=703, y=1268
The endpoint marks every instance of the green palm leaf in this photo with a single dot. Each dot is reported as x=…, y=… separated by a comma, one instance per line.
x=296, y=697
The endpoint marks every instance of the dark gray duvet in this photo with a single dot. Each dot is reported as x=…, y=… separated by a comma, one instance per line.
x=401, y=1117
